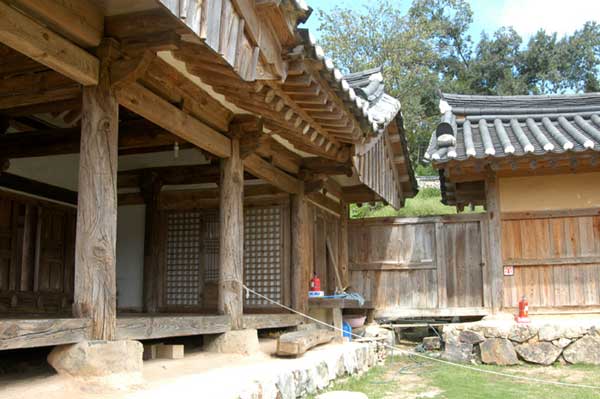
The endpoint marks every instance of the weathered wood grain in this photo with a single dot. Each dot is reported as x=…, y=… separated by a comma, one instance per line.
x=297, y=343
x=231, y=247
x=95, y=253
x=301, y=255
x=158, y=326
x=29, y=333
x=260, y=321
x=25, y=35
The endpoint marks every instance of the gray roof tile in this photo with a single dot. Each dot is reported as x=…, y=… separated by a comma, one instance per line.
x=501, y=126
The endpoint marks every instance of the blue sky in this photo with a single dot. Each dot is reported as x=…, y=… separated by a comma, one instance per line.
x=526, y=16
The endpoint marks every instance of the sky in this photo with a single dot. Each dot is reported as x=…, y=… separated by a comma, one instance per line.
x=525, y=16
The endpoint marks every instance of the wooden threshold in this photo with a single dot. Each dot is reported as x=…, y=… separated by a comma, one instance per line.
x=144, y=326
x=401, y=313
x=29, y=333
x=260, y=321
x=331, y=303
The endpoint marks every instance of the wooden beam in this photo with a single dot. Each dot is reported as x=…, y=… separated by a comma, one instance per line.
x=46, y=47
x=301, y=259
x=39, y=189
x=494, y=226
x=297, y=343
x=81, y=21
x=171, y=175
x=155, y=327
x=325, y=203
x=318, y=165
x=260, y=321
x=231, y=244
x=29, y=333
x=133, y=135
x=143, y=102
x=271, y=174
x=95, y=294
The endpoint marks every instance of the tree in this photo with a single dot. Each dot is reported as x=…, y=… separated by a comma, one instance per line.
x=427, y=49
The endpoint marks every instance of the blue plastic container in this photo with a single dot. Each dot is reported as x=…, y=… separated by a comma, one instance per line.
x=347, y=330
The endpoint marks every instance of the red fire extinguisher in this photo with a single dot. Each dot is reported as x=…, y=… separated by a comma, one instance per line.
x=315, y=283
x=523, y=310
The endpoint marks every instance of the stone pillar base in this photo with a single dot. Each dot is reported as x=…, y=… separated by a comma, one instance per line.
x=242, y=342
x=97, y=358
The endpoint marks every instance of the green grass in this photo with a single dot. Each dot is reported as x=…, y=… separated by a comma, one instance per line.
x=428, y=202
x=403, y=378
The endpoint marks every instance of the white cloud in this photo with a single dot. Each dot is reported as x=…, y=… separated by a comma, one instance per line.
x=563, y=17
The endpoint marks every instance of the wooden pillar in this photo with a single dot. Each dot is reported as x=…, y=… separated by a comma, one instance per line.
x=343, y=246
x=95, y=248
x=231, y=249
x=494, y=225
x=151, y=186
x=301, y=251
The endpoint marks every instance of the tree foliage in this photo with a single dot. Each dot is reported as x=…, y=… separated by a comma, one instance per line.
x=427, y=49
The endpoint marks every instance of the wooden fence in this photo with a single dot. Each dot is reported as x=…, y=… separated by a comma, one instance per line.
x=412, y=267
x=556, y=259
x=438, y=266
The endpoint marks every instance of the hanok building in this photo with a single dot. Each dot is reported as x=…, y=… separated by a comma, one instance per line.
x=159, y=154
x=534, y=163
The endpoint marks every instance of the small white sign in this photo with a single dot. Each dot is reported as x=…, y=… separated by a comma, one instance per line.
x=509, y=270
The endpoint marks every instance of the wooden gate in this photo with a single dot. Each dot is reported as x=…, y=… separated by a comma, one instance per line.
x=420, y=267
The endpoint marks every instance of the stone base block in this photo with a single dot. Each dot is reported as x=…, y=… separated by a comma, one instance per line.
x=242, y=342
x=97, y=358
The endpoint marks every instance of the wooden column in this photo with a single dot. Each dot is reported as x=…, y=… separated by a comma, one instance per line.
x=343, y=246
x=95, y=280
x=494, y=225
x=301, y=251
x=151, y=186
x=231, y=249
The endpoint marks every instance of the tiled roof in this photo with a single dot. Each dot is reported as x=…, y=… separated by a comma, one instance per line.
x=501, y=126
x=369, y=85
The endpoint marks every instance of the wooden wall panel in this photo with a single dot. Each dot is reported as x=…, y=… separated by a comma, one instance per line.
x=556, y=260
x=418, y=263
x=36, y=255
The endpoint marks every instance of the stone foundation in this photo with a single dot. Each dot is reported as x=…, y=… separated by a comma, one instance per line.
x=97, y=358
x=241, y=342
x=506, y=343
x=312, y=375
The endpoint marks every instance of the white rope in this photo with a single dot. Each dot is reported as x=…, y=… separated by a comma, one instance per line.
x=407, y=353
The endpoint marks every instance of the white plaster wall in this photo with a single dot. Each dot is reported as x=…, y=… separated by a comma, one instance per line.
x=130, y=255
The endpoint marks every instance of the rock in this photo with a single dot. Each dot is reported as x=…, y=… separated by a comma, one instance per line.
x=97, y=358
x=504, y=316
x=242, y=342
x=374, y=331
x=342, y=395
x=470, y=337
x=495, y=332
x=432, y=343
x=543, y=353
x=562, y=342
x=549, y=333
x=499, y=351
x=585, y=350
x=459, y=352
x=521, y=333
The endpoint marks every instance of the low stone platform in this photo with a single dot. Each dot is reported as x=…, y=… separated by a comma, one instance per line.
x=202, y=374
x=504, y=342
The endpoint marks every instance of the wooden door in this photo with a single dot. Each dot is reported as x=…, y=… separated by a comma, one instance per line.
x=463, y=260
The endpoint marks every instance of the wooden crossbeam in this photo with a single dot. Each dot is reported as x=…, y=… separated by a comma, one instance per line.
x=133, y=135
x=81, y=21
x=143, y=102
x=171, y=175
x=33, y=187
x=27, y=36
x=278, y=178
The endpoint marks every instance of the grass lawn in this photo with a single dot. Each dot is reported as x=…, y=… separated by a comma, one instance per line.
x=427, y=202
x=406, y=379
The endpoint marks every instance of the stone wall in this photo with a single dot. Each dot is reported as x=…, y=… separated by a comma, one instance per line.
x=508, y=343
x=313, y=375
